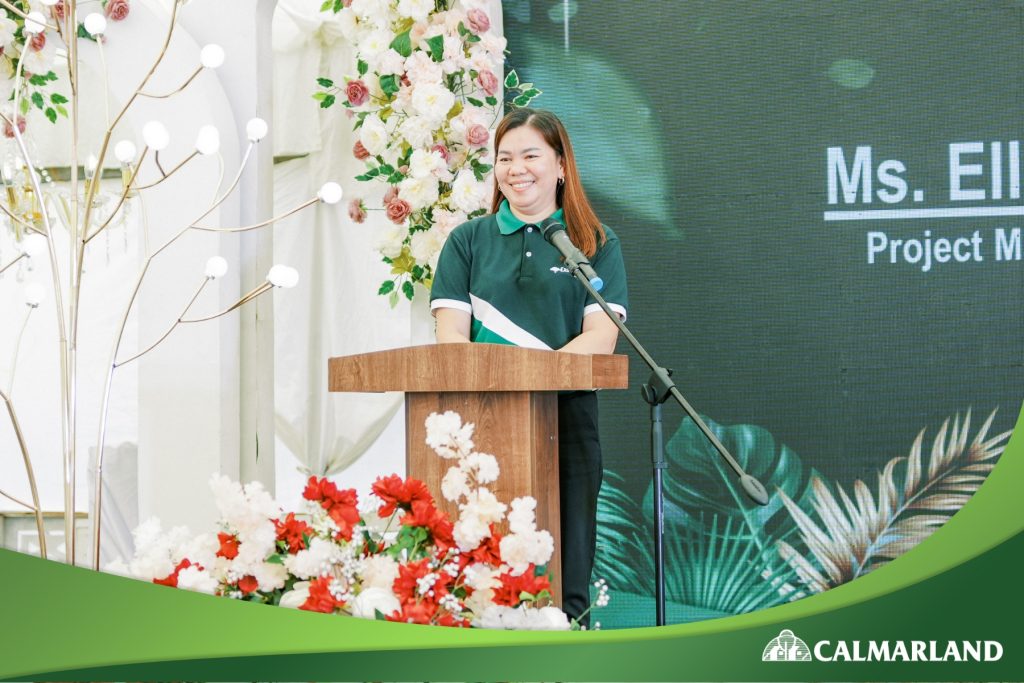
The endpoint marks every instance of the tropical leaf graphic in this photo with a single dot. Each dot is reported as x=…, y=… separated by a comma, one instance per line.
x=861, y=532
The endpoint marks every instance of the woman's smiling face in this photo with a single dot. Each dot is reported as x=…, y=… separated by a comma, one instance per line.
x=528, y=169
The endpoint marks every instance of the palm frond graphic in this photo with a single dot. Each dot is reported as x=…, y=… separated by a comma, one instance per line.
x=860, y=533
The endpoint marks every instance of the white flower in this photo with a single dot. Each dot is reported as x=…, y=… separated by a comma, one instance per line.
x=422, y=70
x=202, y=550
x=351, y=28
x=481, y=505
x=390, y=63
x=467, y=118
x=371, y=600
x=374, y=46
x=7, y=29
x=546, y=619
x=455, y=484
x=480, y=576
x=403, y=102
x=417, y=131
x=483, y=466
x=391, y=240
x=454, y=57
x=424, y=162
x=294, y=598
x=520, y=517
x=373, y=12
x=433, y=101
x=42, y=61
x=243, y=509
x=379, y=571
x=315, y=560
x=480, y=59
x=425, y=246
x=195, y=579
x=521, y=550
x=419, y=192
x=270, y=577
x=469, y=531
x=492, y=617
x=448, y=436
x=446, y=221
x=373, y=134
x=494, y=44
x=417, y=10
x=468, y=193
x=523, y=618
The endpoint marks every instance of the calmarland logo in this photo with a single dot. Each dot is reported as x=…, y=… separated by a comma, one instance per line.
x=559, y=269
x=787, y=647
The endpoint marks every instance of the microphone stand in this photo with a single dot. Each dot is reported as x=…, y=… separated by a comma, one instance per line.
x=656, y=391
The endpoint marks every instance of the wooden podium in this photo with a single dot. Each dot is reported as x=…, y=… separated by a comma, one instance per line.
x=508, y=392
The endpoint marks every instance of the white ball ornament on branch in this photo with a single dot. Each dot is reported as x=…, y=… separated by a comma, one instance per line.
x=330, y=193
x=216, y=266
x=208, y=140
x=155, y=135
x=33, y=245
x=95, y=24
x=35, y=23
x=125, y=151
x=256, y=129
x=34, y=294
x=283, y=276
x=211, y=56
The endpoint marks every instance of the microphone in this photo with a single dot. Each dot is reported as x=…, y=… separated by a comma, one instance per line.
x=554, y=232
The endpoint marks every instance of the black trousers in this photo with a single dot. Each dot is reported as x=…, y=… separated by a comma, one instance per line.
x=579, y=478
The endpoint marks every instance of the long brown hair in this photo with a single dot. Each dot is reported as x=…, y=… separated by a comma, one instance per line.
x=582, y=224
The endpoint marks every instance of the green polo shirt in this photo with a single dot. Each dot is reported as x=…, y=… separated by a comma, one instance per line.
x=513, y=283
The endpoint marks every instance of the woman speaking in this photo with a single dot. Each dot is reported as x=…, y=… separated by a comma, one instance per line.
x=498, y=281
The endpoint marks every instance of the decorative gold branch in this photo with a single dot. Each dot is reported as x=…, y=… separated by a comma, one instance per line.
x=246, y=298
x=126, y=190
x=261, y=224
x=16, y=259
x=35, y=507
x=166, y=174
x=175, y=91
x=166, y=334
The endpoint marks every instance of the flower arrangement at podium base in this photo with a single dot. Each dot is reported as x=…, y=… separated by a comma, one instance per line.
x=399, y=559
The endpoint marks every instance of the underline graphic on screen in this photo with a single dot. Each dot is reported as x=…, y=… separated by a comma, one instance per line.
x=947, y=212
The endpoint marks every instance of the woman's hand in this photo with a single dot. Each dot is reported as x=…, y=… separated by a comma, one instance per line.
x=598, y=336
x=451, y=325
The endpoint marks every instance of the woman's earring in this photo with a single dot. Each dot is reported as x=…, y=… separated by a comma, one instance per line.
x=561, y=181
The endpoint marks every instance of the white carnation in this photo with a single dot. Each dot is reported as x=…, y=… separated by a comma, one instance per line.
x=468, y=194
x=519, y=551
x=455, y=484
x=298, y=595
x=418, y=10
x=195, y=579
x=391, y=240
x=447, y=435
x=373, y=134
x=419, y=192
x=425, y=162
x=422, y=70
x=425, y=246
x=483, y=466
x=417, y=131
x=521, y=516
x=270, y=577
x=433, y=101
x=314, y=561
x=379, y=571
x=469, y=531
x=446, y=221
x=546, y=619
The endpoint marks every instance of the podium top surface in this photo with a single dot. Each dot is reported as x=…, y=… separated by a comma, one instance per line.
x=475, y=367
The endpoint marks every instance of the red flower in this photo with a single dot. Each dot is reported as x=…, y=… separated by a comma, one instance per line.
x=397, y=493
x=424, y=514
x=38, y=42
x=488, y=552
x=291, y=531
x=58, y=10
x=228, y=545
x=356, y=92
x=342, y=505
x=446, y=618
x=356, y=212
x=511, y=586
x=117, y=10
x=406, y=586
x=248, y=584
x=359, y=151
x=320, y=598
x=414, y=613
x=172, y=578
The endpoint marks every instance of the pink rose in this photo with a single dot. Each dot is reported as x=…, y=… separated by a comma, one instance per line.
x=9, y=130
x=477, y=135
x=398, y=211
x=38, y=42
x=442, y=150
x=360, y=152
x=479, y=22
x=488, y=81
x=117, y=10
x=58, y=10
x=356, y=211
x=391, y=195
x=357, y=92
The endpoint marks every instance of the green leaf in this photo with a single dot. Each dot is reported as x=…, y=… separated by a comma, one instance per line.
x=327, y=5
x=511, y=80
x=51, y=76
x=528, y=597
x=389, y=84
x=327, y=102
x=274, y=559
x=521, y=101
x=475, y=102
x=436, y=45
x=472, y=38
x=363, y=67
x=492, y=100
x=51, y=114
x=82, y=33
x=320, y=96
x=325, y=82
x=37, y=79
x=62, y=111
x=37, y=99
x=338, y=4
x=402, y=44
x=386, y=287
x=407, y=290
x=417, y=272
x=386, y=169
x=57, y=98
x=396, y=178
x=531, y=93
x=393, y=300
x=25, y=106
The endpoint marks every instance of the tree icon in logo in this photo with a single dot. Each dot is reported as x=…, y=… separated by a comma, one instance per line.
x=786, y=647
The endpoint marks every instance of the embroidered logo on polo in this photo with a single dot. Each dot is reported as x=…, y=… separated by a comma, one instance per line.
x=559, y=269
